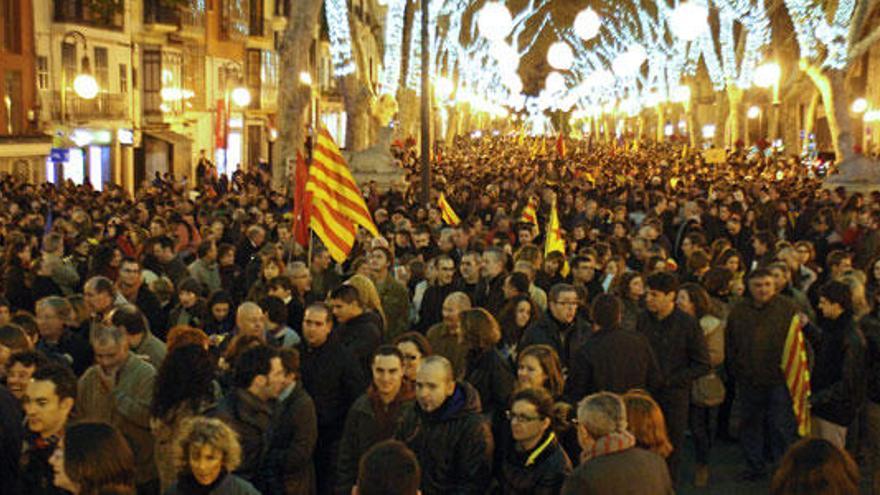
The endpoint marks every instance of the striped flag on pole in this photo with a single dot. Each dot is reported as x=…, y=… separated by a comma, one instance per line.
x=554, y=240
x=530, y=212
x=797, y=373
x=337, y=204
x=446, y=211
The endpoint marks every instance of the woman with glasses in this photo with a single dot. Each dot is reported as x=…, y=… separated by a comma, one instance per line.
x=414, y=347
x=532, y=460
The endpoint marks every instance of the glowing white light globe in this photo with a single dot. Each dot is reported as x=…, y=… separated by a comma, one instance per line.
x=859, y=106
x=708, y=131
x=305, y=78
x=86, y=86
x=560, y=56
x=586, y=24
x=506, y=56
x=240, y=96
x=753, y=112
x=554, y=83
x=689, y=20
x=494, y=21
x=628, y=63
x=766, y=75
x=443, y=88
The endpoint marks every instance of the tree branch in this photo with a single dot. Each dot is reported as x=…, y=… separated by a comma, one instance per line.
x=862, y=46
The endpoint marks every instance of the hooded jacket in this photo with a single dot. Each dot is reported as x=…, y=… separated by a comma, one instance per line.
x=453, y=444
x=838, y=378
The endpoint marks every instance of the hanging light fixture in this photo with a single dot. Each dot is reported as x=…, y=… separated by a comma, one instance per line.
x=494, y=21
x=587, y=24
x=560, y=56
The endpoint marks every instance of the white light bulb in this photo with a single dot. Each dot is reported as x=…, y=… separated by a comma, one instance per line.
x=587, y=24
x=241, y=96
x=494, y=21
x=85, y=86
x=554, y=83
x=560, y=56
x=689, y=20
x=859, y=106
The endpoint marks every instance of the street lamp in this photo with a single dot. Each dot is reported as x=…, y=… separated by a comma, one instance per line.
x=689, y=20
x=239, y=95
x=305, y=78
x=767, y=76
x=859, y=105
x=754, y=112
x=84, y=84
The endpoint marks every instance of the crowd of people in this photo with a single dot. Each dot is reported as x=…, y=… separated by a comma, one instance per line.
x=181, y=342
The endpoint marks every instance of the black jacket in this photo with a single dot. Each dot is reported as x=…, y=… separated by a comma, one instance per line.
x=37, y=474
x=149, y=305
x=598, y=365
x=755, y=338
x=288, y=465
x=679, y=346
x=566, y=339
x=11, y=434
x=490, y=294
x=870, y=326
x=431, y=310
x=334, y=379
x=249, y=417
x=71, y=350
x=490, y=374
x=540, y=471
x=453, y=444
x=838, y=378
x=361, y=337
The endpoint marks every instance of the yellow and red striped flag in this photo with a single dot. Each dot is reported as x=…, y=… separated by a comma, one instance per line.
x=446, y=211
x=337, y=205
x=554, y=240
x=530, y=212
x=797, y=373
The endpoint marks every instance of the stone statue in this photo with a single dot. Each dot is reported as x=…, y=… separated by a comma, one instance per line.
x=857, y=173
x=376, y=162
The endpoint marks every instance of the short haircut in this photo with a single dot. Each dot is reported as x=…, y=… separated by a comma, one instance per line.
x=321, y=306
x=52, y=242
x=204, y=248
x=224, y=248
x=290, y=360
x=606, y=311
x=27, y=359
x=496, y=254
x=441, y=361
x=838, y=292
x=388, y=350
x=103, y=334
x=275, y=309
x=164, y=242
x=61, y=376
x=192, y=285
x=836, y=257
x=760, y=273
x=389, y=468
x=280, y=282
x=519, y=281
x=346, y=293
x=131, y=318
x=101, y=284
x=14, y=337
x=662, y=281
x=252, y=363
x=130, y=260
x=557, y=291
x=386, y=252
x=602, y=413
x=460, y=299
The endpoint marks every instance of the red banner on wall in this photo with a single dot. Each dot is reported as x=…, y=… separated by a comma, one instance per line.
x=221, y=125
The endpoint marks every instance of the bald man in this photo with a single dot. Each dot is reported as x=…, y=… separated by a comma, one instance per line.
x=446, y=337
x=447, y=432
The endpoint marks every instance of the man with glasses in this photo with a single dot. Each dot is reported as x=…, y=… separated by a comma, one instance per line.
x=559, y=327
x=131, y=286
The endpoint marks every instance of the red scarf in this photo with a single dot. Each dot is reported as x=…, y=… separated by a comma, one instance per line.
x=609, y=444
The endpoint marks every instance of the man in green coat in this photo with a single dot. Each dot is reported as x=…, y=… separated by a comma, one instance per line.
x=393, y=294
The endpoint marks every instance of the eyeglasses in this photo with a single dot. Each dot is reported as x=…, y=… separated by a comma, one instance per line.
x=520, y=418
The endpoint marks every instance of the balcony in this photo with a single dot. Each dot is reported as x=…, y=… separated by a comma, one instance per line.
x=160, y=18
x=192, y=23
x=105, y=106
x=260, y=33
x=83, y=13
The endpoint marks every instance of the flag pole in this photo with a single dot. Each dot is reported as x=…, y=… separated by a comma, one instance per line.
x=425, y=111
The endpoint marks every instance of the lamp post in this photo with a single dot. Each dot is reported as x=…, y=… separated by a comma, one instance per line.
x=767, y=76
x=239, y=96
x=754, y=112
x=425, y=110
x=84, y=84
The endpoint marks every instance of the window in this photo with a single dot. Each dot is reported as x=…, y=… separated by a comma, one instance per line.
x=68, y=63
x=256, y=18
x=269, y=75
x=102, y=72
x=12, y=103
x=253, y=67
x=234, y=19
x=194, y=76
x=42, y=72
x=152, y=68
x=11, y=25
x=123, y=78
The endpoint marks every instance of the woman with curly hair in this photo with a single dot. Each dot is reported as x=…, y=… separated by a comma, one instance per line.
x=206, y=453
x=175, y=400
x=93, y=459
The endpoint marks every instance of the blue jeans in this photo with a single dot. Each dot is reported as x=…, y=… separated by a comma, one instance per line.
x=766, y=414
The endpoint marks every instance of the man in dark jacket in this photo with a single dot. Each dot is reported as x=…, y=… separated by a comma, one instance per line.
x=559, y=327
x=57, y=341
x=288, y=466
x=334, y=379
x=355, y=328
x=257, y=379
x=51, y=395
x=430, y=311
x=597, y=365
x=681, y=352
x=374, y=415
x=611, y=462
x=11, y=435
x=449, y=436
x=838, y=377
x=130, y=285
x=756, y=331
x=489, y=293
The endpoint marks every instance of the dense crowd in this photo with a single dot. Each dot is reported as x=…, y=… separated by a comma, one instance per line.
x=181, y=342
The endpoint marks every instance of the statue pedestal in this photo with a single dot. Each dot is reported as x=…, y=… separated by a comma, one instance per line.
x=376, y=163
x=857, y=174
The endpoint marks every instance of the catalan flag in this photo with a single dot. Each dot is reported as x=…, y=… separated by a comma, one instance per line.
x=447, y=212
x=554, y=240
x=560, y=146
x=530, y=212
x=797, y=373
x=337, y=205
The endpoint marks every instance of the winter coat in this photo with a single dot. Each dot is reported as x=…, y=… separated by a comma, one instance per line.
x=634, y=471
x=361, y=336
x=395, y=303
x=598, y=365
x=70, y=350
x=490, y=374
x=540, y=471
x=453, y=444
x=755, y=340
x=565, y=339
x=228, y=484
x=445, y=343
x=249, y=417
x=288, y=466
x=364, y=428
x=196, y=316
x=489, y=294
x=838, y=377
x=870, y=326
x=679, y=346
x=431, y=309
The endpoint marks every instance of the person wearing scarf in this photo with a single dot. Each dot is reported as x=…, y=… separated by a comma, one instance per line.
x=610, y=461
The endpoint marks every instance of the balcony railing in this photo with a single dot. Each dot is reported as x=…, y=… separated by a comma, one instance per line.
x=81, y=12
x=260, y=27
x=103, y=106
x=192, y=21
x=156, y=12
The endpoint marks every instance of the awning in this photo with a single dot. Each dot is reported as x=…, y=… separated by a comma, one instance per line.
x=20, y=147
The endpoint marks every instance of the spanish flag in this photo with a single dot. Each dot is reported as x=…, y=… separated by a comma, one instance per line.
x=797, y=374
x=554, y=240
x=447, y=212
x=530, y=212
x=337, y=204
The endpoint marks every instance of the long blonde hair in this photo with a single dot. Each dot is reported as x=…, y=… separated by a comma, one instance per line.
x=368, y=294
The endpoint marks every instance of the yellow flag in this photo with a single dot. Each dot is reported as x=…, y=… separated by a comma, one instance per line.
x=554, y=240
x=446, y=211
